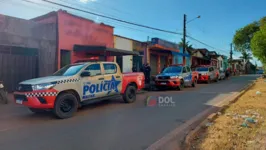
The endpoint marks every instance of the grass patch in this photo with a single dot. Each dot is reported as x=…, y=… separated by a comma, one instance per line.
x=226, y=132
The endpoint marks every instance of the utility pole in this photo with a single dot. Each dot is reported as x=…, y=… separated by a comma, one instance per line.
x=184, y=37
x=146, y=53
x=231, y=52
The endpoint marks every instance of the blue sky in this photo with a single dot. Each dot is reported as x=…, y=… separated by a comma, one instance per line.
x=216, y=27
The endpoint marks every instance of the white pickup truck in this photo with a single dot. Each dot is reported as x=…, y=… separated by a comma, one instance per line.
x=78, y=84
x=207, y=74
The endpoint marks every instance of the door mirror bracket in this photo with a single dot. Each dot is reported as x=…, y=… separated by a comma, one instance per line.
x=85, y=74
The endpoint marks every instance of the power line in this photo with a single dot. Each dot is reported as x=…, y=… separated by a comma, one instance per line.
x=126, y=22
x=115, y=23
x=112, y=18
x=113, y=8
x=205, y=44
x=35, y=3
x=131, y=28
x=47, y=6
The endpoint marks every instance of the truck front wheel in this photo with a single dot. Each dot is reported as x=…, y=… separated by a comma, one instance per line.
x=130, y=94
x=194, y=82
x=181, y=86
x=66, y=105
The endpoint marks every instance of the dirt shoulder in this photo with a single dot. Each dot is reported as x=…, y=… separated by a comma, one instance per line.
x=241, y=126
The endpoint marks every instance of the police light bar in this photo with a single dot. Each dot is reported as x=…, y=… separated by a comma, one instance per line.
x=94, y=58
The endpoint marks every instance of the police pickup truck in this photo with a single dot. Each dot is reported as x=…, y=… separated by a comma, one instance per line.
x=207, y=74
x=176, y=76
x=78, y=84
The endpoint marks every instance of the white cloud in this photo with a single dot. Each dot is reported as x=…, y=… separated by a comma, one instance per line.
x=86, y=1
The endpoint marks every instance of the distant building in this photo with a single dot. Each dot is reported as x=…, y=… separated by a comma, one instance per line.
x=160, y=53
x=237, y=64
x=199, y=57
x=125, y=62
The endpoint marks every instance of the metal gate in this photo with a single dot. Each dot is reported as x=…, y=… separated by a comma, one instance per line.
x=153, y=64
x=119, y=60
x=137, y=62
x=163, y=62
x=17, y=64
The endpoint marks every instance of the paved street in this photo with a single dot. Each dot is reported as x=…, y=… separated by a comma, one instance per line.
x=111, y=125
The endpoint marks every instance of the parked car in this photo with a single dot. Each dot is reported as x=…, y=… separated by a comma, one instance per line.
x=76, y=85
x=207, y=74
x=176, y=76
x=221, y=74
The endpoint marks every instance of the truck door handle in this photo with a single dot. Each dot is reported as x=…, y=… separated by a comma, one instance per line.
x=117, y=76
x=101, y=79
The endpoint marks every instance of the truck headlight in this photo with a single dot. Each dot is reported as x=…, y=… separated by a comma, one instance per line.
x=43, y=86
x=174, y=77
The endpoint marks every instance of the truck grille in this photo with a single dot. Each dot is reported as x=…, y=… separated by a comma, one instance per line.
x=20, y=97
x=164, y=77
x=24, y=88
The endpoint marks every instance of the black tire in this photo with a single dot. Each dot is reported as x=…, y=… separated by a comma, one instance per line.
x=159, y=88
x=130, y=95
x=216, y=79
x=65, y=106
x=194, y=83
x=209, y=80
x=37, y=111
x=181, y=86
x=3, y=97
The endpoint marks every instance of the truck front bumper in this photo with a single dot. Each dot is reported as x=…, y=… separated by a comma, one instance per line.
x=37, y=99
x=203, y=78
x=168, y=83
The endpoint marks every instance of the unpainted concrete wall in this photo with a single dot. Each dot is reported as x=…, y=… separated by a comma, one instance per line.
x=25, y=33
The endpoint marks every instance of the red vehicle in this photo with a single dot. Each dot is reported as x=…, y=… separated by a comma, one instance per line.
x=176, y=76
x=76, y=85
x=207, y=73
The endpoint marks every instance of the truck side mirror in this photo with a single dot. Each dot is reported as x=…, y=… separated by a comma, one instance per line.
x=85, y=74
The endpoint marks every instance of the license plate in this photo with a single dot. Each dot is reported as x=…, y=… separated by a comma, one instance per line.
x=18, y=101
x=163, y=83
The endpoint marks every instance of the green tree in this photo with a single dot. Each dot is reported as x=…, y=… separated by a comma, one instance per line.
x=246, y=56
x=252, y=38
x=258, y=43
x=188, y=45
x=243, y=36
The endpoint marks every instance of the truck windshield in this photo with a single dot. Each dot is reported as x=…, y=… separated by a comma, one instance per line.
x=173, y=69
x=202, y=69
x=69, y=70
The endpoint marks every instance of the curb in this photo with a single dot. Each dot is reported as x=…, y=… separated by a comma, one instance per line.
x=194, y=133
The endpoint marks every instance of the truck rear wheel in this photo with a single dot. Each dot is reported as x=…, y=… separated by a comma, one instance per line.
x=209, y=80
x=66, y=105
x=217, y=79
x=130, y=94
x=194, y=82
